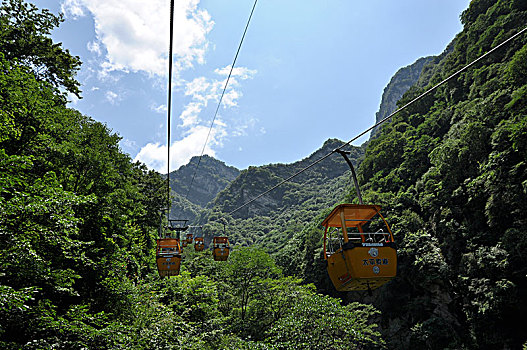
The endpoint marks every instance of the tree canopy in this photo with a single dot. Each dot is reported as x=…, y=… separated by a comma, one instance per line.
x=25, y=38
x=79, y=217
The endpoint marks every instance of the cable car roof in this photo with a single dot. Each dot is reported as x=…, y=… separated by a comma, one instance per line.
x=357, y=214
x=167, y=242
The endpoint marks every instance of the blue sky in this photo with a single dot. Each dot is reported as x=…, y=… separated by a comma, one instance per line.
x=307, y=71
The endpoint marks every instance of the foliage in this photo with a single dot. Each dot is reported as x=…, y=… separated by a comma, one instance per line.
x=24, y=37
x=76, y=212
x=79, y=217
x=319, y=322
x=77, y=226
x=452, y=171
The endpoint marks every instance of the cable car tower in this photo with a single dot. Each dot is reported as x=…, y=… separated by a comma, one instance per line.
x=358, y=244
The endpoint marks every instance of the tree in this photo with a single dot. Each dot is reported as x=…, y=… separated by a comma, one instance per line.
x=247, y=269
x=320, y=322
x=24, y=36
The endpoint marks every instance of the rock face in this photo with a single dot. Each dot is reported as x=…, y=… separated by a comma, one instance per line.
x=211, y=177
x=398, y=85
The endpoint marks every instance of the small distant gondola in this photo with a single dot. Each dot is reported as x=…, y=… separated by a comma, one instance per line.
x=220, y=248
x=199, y=244
x=168, y=256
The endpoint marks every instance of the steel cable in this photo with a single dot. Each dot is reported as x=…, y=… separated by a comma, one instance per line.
x=380, y=122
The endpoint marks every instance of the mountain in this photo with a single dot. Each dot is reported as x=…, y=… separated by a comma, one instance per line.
x=256, y=180
x=271, y=220
x=402, y=80
x=211, y=177
x=450, y=174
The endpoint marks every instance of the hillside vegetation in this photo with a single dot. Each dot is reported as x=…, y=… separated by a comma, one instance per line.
x=272, y=220
x=77, y=234
x=452, y=172
x=79, y=219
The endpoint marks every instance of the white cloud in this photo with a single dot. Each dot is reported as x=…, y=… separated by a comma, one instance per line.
x=112, y=97
x=154, y=155
x=72, y=98
x=135, y=33
x=242, y=127
x=198, y=88
x=203, y=90
x=93, y=46
x=72, y=9
x=132, y=36
x=242, y=72
x=190, y=114
x=128, y=145
x=162, y=109
x=230, y=98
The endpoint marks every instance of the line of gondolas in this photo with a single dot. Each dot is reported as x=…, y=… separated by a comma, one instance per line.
x=358, y=245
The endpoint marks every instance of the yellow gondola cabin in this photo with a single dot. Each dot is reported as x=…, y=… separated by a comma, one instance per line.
x=220, y=248
x=356, y=258
x=199, y=244
x=168, y=256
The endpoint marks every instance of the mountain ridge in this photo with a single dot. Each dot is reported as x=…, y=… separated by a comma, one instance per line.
x=399, y=84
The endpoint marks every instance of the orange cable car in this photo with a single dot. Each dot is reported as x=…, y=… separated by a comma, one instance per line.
x=168, y=250
x=199, y=244
x=190, y=238
x=168, y=256
x=358, y=260
x=220, y=248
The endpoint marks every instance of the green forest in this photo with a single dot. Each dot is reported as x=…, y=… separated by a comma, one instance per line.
x=79, y=219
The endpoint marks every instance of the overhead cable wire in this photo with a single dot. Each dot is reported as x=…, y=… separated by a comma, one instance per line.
x=169, y=105
x=380, y=122
x=221, y=98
